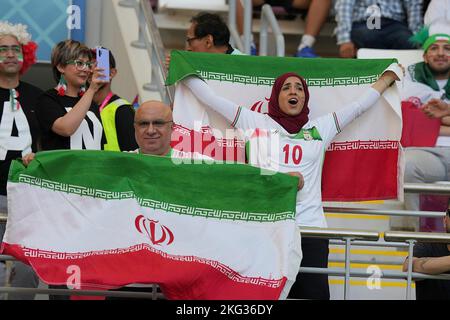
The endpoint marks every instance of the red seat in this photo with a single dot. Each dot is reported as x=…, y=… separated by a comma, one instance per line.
x=433, y=203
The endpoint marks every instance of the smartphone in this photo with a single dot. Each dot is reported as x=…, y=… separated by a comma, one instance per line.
x=102, y=58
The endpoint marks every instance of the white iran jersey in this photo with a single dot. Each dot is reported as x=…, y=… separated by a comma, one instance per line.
x=270, y=146
x=21, y=142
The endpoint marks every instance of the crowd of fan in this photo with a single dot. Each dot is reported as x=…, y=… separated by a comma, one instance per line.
x=82, y=112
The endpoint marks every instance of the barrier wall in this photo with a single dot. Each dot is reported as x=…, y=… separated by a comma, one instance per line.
x=48, y=21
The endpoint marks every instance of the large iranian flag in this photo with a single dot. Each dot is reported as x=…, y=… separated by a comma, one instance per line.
x=200, y=231
x=362, y=163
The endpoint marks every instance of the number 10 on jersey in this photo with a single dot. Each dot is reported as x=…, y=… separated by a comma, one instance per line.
x=295, y=154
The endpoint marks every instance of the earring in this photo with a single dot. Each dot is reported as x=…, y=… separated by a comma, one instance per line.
x=82, y=91
x=62, y=86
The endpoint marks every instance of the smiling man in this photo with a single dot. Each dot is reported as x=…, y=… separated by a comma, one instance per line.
x=153, y=124
x=19, y=130
x=427, y=83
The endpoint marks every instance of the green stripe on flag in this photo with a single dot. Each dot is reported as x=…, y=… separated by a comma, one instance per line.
x=258, y=70
x=222, y=191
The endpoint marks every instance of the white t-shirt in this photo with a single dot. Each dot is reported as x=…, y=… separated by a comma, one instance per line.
x=275, y=149
x=441, y=83
x=288, y=149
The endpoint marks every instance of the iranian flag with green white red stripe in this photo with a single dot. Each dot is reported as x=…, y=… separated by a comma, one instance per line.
x=364, y=162
x=200, y=231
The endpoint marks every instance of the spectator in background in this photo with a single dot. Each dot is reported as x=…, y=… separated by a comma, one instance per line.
x=19, y=130
x=317, y=14
x=67, y=114
x=432, y=258
x=117, y=115
x=209, y=33
x=427, y=86
x=357, y=24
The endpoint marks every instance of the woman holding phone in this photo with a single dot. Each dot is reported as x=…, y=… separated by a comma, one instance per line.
x=68, y=117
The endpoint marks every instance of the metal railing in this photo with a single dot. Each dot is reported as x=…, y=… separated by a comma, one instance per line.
x=268, y=19
x=440, y=187
x=408, y=239
x=232, y=25
x=350, y=237
x=411, y=238
x=153, y=45
x=153, y=295
x=385, y=212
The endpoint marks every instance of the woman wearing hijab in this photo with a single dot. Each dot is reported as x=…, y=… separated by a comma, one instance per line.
x=286, y=139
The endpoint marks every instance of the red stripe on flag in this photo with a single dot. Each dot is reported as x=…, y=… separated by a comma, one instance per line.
x=375, y=176
x=181, y=278
x=352, y=171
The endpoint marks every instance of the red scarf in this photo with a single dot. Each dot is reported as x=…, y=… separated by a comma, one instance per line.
x=292, y=124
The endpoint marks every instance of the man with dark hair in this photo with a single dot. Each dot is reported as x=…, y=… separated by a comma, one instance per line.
x=432, y=258
x=209, y=33
x=117, y=115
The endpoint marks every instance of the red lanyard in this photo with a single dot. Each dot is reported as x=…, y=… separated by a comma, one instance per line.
x=105, y=102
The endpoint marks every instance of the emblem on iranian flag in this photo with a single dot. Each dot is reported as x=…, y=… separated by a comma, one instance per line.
x=157, y=233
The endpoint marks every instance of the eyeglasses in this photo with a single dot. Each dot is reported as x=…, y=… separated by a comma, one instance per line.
x=158, y=124
x=81, y=65
x=189, y=40
x=15, y=49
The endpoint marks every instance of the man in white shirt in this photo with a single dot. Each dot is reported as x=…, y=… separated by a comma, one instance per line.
x=427, y=83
